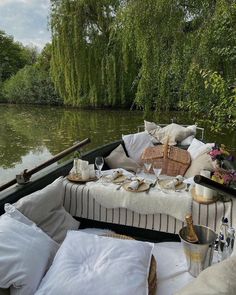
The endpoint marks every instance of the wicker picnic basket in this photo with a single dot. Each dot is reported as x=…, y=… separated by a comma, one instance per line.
x=173, y=160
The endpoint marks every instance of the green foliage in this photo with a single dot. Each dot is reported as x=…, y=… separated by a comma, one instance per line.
x=13, y=56
x=209, y=88
x=30, y=85
x=212, y=98
x=157, y=55
x=87, y=63
x=44, y=58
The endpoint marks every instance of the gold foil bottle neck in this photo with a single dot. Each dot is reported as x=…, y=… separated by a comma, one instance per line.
x=191, y=235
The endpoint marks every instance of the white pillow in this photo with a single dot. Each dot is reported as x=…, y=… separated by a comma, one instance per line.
x=136, y=143
x=149, y=126
x=202, y=162
x=88, y=264
x=219, y=279
x=118, y=159
x=45, y=208
x=12, y=212
x=173, y=132
x=198, y=148
x=26, y=254
x=189, y=139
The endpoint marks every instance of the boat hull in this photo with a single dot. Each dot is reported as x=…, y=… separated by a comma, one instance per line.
x=43, y=178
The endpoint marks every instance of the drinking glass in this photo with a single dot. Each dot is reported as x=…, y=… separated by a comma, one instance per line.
x=157, y=172
x=99, y=162
x=148, y=166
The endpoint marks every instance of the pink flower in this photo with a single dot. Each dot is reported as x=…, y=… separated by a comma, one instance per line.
x=214, y=153
x=226, y=176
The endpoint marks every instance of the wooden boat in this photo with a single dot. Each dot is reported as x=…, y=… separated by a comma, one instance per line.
x=151, y=232
x=13, y=194
x=159, y=227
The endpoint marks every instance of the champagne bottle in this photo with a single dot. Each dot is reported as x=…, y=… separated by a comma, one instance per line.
x=223, y=244
x=191, y=235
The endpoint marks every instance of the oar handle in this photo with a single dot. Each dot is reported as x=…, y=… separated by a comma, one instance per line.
x=28, y=174
x=222, y=189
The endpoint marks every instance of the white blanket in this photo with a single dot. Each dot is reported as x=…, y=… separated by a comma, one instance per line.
x=176, y=204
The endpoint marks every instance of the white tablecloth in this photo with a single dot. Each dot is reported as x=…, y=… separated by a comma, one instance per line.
x=102, y=202
x=175, y=204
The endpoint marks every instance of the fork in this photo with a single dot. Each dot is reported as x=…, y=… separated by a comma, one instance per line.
x=151, y=185
x=119, y=187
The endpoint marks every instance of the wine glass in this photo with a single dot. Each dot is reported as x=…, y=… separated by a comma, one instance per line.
x=148, y=166
x=157, y=172
x=99, y=162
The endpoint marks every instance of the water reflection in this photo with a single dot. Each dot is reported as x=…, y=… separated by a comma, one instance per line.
x=28, y=161
x=30, y=135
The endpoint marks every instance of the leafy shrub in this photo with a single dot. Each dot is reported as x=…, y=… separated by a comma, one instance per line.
x=30, y=85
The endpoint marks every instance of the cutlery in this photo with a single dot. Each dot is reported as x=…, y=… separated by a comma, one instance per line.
x=151, y=185
x=188, y=187
x=119, y=187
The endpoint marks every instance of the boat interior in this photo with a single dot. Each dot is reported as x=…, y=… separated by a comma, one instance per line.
x=118, y=233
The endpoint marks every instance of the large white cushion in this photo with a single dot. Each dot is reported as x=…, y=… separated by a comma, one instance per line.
x=17, y=215
x=198, y=148
x=45, y=208
x=218, y=279
x=172, y=133
x=136, y=143
x=118, y=159
x=88, y=264
x=202, y=162
x=188, y=140
x=149, y=126
x=26, y=254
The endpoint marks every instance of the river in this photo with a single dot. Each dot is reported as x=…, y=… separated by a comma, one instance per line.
x=30, y=135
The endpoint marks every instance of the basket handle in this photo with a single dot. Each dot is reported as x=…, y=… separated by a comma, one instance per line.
x=165, y=148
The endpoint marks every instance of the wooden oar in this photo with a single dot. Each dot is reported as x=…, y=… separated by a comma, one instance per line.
x=27, y=174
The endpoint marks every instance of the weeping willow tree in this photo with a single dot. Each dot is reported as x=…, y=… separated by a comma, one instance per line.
x=187, y=53
x=159, y=55
x=210, y=84
x=87, y=62
x=153, y=30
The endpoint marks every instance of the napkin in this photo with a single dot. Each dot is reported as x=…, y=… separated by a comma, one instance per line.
x=116, y=174
x=173, y=183
x=135, y=184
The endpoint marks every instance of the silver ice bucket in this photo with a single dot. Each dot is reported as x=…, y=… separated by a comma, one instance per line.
x=198, y=256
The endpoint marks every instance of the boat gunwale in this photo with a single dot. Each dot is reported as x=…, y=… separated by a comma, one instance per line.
x=43, y=178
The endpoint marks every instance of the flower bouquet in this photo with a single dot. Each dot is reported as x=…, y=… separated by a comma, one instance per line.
x=224, y=172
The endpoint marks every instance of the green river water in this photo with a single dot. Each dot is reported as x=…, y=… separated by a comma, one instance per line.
x=30, y=135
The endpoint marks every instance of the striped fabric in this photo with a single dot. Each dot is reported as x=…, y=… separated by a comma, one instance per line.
x=78, y=202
